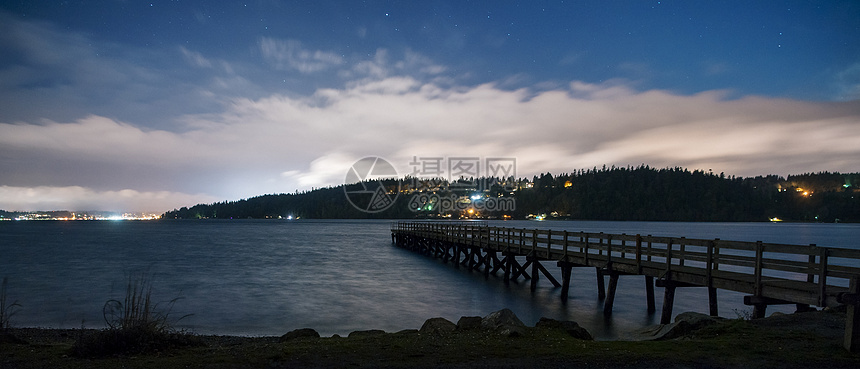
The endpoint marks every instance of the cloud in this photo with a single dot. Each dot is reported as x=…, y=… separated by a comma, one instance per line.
x=291, y=55
x=196, y=59
x=280, y=143
x=326, y=170
x=48, y=72
x=76, y=198
x=848, y=82
x=85, y=118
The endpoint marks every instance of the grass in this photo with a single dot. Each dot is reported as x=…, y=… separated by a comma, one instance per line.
x=136, y=325
x=7, y=310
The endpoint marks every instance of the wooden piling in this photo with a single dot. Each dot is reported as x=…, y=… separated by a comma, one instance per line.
x=566, y=269
x=712, y=302
x=601, y=289
x=649, y=294
x=610, y=294
x=668, y=302
x=852, y=321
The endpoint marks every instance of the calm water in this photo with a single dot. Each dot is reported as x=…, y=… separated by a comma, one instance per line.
x=270, y=277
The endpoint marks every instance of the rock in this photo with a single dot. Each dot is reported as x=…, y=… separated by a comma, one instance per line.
x=572, y=328
x=367, y=333
x=437, y=326
x=511, y=331
x=300, y=333
x=685, y=323
x=469, y=322
x=698, y=320
x=504, y=322
x=501, y=318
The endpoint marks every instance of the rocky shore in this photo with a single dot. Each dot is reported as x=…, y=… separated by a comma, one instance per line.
x=498, y=340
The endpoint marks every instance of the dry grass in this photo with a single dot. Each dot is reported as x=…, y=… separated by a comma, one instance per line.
x=136, y=325
x=7, y=310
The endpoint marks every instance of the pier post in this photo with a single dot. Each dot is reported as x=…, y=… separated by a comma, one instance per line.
x=507, y=262
x=488, y=260
x=712, y=301
x=601, y=287
x=566, y=269
x=852, y=321
x=668, y=302
x=535, y=277
x=610, y=295
x=649, y=294
x=759, y=311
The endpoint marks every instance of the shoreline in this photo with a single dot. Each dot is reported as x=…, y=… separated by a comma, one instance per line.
x=811, y=339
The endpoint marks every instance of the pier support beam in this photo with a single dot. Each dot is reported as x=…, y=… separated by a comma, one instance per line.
x=566, y=269
x=649, y=294
x=601, y=288
x=668, y=302
x=852, y=321
x=712, y=302
x=488, y=261
x=610, y=295
x=669, y=287
x=506, y=261
x=760, y=304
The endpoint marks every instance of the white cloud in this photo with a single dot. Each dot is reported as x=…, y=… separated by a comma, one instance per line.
x=195, y=58
x=81, y=198
x=281, y=143
x=290, y=54
x=848, y=82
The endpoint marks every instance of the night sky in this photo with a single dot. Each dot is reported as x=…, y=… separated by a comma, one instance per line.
x=133, y=106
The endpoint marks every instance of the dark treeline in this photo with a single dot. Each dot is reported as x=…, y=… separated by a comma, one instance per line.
x=632, y=193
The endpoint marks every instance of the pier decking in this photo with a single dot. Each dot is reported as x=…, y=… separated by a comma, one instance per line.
x=769, y=273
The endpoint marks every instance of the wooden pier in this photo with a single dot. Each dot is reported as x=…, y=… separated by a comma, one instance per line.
x=770, y=274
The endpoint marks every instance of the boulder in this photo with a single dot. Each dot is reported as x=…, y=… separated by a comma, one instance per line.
x=685, y=323
x=501, y=318
x=572, y=328
x=300, y=333
x=437, y=326
x=511, y=331
x=504, y=322
x=367, y=333
x=469, y=322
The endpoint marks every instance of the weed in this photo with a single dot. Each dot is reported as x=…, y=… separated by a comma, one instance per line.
x=7, y=310
x=743, y=314
x=135, y=325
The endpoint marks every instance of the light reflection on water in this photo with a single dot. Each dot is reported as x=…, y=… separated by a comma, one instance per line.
x=270, y=277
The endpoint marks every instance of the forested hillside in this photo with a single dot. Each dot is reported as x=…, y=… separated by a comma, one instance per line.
x=640, y=193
